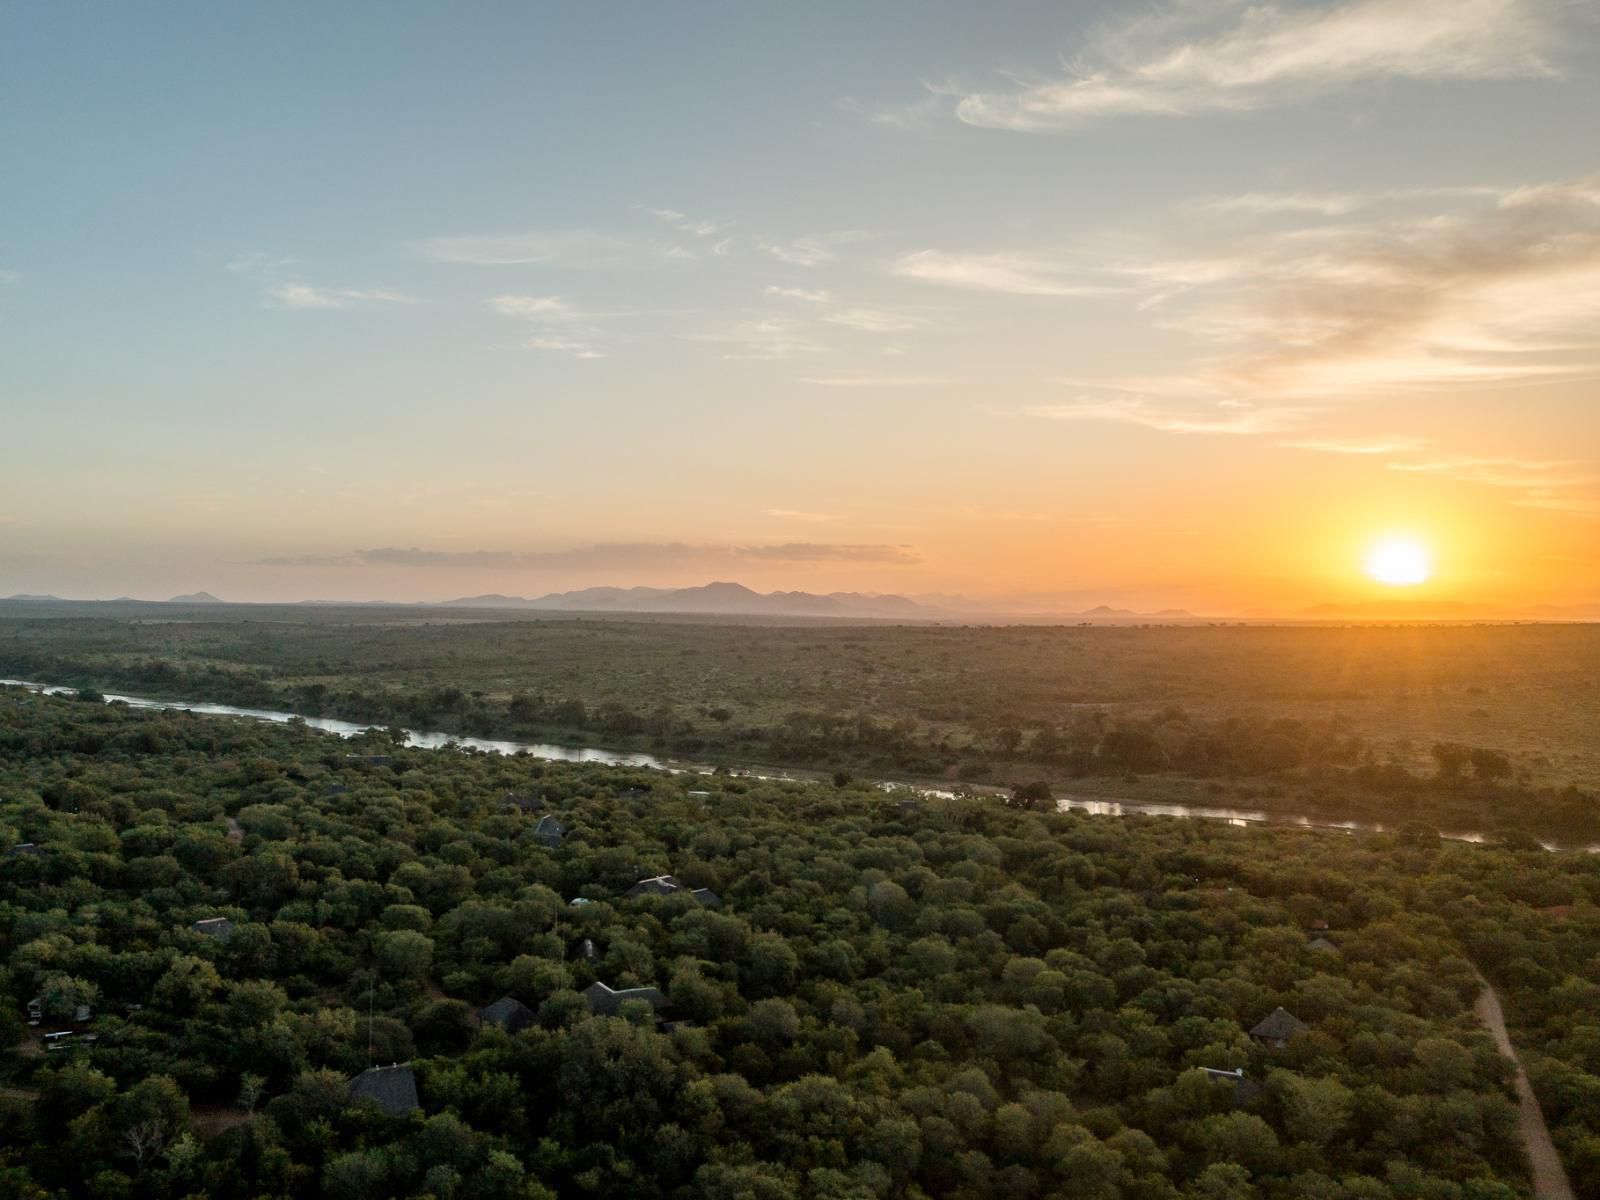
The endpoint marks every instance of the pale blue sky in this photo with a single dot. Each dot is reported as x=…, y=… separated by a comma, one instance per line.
x=1100, y=298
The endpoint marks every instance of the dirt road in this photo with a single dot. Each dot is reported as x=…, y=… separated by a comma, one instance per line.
x=1549, y=1176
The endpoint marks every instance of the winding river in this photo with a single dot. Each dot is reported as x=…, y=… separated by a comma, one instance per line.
x=1104, y=806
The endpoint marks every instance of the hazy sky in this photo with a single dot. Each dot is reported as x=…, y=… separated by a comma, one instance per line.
x=1155, y=304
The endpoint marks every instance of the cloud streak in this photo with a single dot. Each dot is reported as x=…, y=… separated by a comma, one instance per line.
x=1013, y=274
x=1138, y=411
x=576, y=248
x=305, y=296
x=555, y=324
x=1218, y=56
x=613, y=555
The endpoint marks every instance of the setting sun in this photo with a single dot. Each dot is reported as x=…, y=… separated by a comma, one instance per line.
x=1398, y=562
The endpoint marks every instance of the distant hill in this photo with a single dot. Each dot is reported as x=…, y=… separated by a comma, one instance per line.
x=196, y=598
x=720, y=598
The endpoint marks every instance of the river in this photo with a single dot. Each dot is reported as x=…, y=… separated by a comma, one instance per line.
x=1103, y=806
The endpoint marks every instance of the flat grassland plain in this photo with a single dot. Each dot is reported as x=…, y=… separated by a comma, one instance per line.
x=1465, y=726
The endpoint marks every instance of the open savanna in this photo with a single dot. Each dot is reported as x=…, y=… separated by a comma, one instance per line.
x=1255, y=712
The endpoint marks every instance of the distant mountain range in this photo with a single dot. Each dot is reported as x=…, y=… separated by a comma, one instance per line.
x=736, y=600
x=725, y=599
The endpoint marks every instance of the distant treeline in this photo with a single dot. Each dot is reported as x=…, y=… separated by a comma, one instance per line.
x=1322, y=768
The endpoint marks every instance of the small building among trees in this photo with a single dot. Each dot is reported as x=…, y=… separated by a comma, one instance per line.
x=605, y=1001
x=1278, y=1028
x=671, y=885
x=506, y=1013
x=392, y=1088
x=549, y=832
x=215, y=927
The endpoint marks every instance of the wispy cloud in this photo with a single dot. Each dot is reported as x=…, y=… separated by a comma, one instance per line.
x=804, y=295
x=1494, y=294
x=1489, y=288
x=555, y=324
x=1554, y=485
x=579, y=248
x=1327, y=204
x=613, y=555
x=914, y=115
x=257, y=262
x=306, y=296
x=1219, y=55
x=874, y=381
x=1331, y=204
x=804, y=252
x=766, y=338
x=1167, y=419
x=1364, y=447
x=1500, y=472
x=790, y=514
x=874, y=320
x=1016, y=274
x=684, y=223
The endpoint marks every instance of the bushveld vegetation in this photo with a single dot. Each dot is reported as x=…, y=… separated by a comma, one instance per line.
x=953, y=998
x=1485, y=728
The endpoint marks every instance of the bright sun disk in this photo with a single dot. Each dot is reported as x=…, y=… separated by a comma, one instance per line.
x=1398, y=562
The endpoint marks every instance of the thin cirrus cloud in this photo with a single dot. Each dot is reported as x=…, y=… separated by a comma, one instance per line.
x=554, y=324
x=1013, y=274
x=607, y=556
x=1365, y=448
x=684, y=223
x=578, y=248
x=1222, y=56
x=874, y=381
x=306, y=296
x=1330, y=204
x=1554, y=485
x=1491, y=294
x=804, y=295
x=791, y=514
x=1494, y=289
x=874, y=320
x=1133, y=410
x=766, y=339
x=1488, y=288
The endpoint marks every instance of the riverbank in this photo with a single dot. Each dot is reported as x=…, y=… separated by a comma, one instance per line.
x=1094, y=805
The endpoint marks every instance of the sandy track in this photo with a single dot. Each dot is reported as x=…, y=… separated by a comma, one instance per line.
x=1549, y=1176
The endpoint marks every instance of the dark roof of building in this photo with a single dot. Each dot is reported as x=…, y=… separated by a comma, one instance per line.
x=22, y=848
x=219, y=927
x=392, y=1088
x=508, y=1013
x=1279, y=1025
x=707, y=897
x=1320, y=943
x=606, y=1002
x=524, y=802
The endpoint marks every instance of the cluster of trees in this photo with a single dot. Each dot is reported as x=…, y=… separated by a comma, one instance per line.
x=1308, y=766
x=897, y=997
